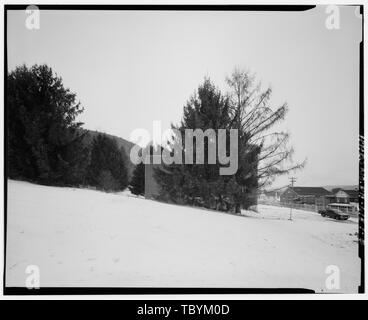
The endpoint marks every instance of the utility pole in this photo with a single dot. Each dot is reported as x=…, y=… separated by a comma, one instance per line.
x=292, y=180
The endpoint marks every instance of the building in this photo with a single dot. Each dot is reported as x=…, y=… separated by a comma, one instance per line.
x=151, y=187
x=347, y=196
x=349, y=208
x=307, y=195
x=341, y=200
x=345, y=201
x=269, y=196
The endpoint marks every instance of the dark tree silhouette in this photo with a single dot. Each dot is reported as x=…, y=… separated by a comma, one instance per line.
x=262, y=153
x=44, y=139
x=201, y=184
x=138, y=180
x=107, y=168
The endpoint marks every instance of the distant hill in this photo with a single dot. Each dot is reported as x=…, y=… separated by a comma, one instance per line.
x=345, y=187
x=127, y=145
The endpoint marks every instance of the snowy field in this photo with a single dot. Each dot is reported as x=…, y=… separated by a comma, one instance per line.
x=88, y=238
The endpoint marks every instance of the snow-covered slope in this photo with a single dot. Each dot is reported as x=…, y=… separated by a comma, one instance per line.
x=89, y=238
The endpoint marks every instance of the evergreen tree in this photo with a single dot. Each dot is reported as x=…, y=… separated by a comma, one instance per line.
x=107, y=168
x=107, y=182
x=201, y=184
x=137, y=183
x=261, y=153
x=44, y=140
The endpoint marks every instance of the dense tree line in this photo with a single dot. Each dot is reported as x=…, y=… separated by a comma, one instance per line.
x=46, y=144
x=107, y=169
x=137, y=184
x=45, y=141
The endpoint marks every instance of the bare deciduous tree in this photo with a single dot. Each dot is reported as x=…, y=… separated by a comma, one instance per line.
x=255, y=119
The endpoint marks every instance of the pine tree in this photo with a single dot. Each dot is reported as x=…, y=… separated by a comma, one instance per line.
x=44, y=139
x=137, y=183
x=261, y=154
x=201, y=184
x=107, y=182
x=107, y=159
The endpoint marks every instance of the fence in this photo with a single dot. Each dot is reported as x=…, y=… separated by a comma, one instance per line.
x=301, y=206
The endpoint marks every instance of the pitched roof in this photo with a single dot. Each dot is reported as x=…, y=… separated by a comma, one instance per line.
x=311, y=191
x=270, y=193
x=351, y=193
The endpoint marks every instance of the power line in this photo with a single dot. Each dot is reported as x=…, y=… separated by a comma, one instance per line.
x=292, y=180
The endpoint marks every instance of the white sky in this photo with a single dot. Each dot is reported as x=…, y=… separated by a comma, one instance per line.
x=130, y=68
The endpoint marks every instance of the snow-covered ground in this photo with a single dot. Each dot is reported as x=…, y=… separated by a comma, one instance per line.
x=88, y=238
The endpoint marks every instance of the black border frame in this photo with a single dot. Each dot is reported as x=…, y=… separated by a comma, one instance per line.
x=169, y=290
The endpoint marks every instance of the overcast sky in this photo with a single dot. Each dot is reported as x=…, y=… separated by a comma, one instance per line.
x=130, y=68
